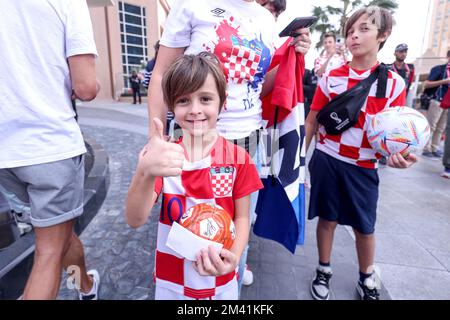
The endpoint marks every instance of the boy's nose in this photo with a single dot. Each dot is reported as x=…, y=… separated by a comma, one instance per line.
x=355, y=35
x=195, y=108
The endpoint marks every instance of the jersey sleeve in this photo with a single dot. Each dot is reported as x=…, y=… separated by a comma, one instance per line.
x=178, y=26
x=247, y=177
x=79, y=33
x=321, y=97
x=398, y=92
x=158, y=187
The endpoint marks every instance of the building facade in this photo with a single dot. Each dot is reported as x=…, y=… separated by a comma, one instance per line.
x=125, y=33
x=439, y=39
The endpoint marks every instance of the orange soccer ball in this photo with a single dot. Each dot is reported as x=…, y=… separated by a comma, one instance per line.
x=210, y=222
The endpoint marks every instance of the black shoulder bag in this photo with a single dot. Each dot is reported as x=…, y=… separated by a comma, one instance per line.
x=342, y=112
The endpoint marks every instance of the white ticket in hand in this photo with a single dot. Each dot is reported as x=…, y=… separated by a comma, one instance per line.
x=187, y=244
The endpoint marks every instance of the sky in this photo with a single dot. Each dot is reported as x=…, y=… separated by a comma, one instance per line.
x=411, y=25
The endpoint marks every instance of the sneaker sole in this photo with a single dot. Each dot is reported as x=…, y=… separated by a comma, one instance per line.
x=360, y=292
x=316, y=297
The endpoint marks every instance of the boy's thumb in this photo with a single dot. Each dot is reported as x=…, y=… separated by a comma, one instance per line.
x=158, y=128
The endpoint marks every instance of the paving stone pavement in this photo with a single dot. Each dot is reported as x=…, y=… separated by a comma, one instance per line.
x=124, y=257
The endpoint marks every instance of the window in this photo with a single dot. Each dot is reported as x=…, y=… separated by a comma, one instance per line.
x=134, y=40
x=133, y=32
x=133, y=19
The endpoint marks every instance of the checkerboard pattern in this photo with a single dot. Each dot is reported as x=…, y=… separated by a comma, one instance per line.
x=214, y=180
x=242, y=65
x=352, y=146
x=222, y=184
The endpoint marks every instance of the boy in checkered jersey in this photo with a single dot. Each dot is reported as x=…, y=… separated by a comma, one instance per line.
x=343, y=168
x=202, y=167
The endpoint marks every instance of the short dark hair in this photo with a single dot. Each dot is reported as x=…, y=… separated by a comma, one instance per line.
x=380, y=17
x=279, y=5
x=188, y=74
x=329, y=35
x=448, y=54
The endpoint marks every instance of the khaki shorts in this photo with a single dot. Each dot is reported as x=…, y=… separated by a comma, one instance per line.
x=54, y=191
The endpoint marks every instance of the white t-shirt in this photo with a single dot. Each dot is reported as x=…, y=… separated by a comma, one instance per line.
x=37, y=123
x=241, y=34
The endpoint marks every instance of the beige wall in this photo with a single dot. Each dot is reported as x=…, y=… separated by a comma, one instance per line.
x=439, y=40
x=105, y=22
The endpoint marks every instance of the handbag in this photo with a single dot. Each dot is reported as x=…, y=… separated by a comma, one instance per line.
x=425, y=101
x=342, y=112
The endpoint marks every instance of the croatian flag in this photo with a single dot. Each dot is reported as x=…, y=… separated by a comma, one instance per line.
x=281, y=204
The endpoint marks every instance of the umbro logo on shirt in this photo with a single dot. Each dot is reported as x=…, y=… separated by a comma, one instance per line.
x=218, y=12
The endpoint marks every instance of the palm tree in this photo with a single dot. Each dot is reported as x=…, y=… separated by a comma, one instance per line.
x=324, y=13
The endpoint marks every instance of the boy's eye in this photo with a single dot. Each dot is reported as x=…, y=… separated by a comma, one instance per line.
x=206, y=99
x=182, y=101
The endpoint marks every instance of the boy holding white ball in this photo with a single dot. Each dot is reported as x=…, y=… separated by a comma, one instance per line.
x=343, y=169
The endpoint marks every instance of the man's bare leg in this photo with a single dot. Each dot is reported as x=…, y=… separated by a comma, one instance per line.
x=51, y=245
x=74, y=263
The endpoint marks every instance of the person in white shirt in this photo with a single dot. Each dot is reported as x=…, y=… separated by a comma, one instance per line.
x=275, y=7
x=241, y=33
x=41, y=144
x=332, y=56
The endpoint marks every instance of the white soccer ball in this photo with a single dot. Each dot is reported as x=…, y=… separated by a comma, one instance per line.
x=398, y=130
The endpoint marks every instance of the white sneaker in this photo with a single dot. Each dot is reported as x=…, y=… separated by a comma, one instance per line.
x=247, y=278
x=93, y=294
x=320, y=285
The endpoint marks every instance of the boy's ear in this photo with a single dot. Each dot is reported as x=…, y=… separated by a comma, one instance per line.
x=384, y=36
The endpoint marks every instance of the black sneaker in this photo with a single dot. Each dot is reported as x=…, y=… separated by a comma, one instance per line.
x=438, y=153
x=369, y=289
x=428, y=154
x=320, y=285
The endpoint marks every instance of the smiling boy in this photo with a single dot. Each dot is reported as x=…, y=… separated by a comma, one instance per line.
x=202, y=167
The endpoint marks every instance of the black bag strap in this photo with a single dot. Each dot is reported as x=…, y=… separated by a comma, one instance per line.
x=357, y=94
x=379, y=74
x=382, y=80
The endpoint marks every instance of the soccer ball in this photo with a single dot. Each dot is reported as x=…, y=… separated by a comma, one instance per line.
x=398, y=130
x=210, y=222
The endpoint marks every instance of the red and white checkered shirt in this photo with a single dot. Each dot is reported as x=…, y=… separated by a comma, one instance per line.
x=352, y=146
x=335, y=62
x=226, y=175
x=242, y=64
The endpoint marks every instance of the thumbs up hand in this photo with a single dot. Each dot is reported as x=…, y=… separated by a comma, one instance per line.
x=160, y=158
